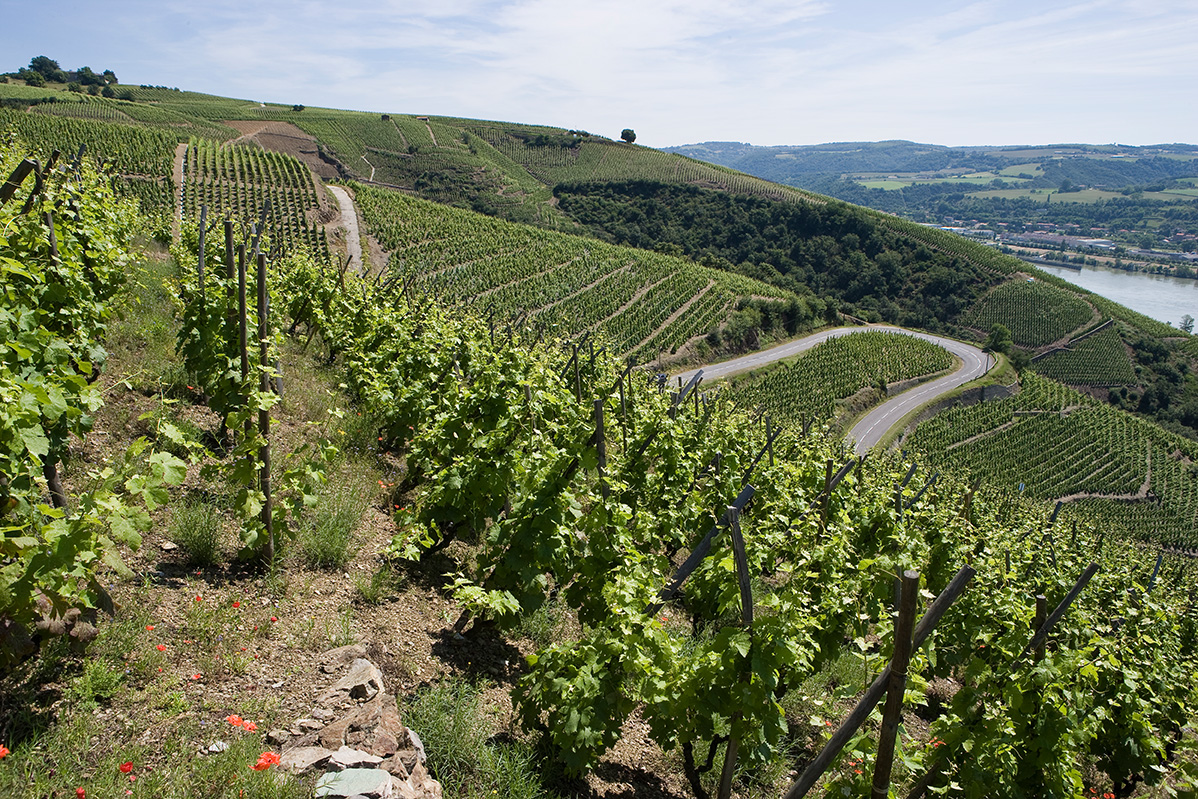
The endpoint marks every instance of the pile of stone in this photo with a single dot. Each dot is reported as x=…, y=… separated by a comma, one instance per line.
x=355, y=737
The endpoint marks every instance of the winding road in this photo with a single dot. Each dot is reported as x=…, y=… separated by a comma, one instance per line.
x=874, y=426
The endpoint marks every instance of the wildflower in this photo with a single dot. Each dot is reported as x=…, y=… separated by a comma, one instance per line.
x=150, y=627
x=274, y=618
x=236, y=604
x=265, y=761
x=235, y=720
x=126, y=767
x=250, y=726
x=80, y=793
x=4, y=750
x=199, y=598
x=161, y=647
x=195, y=677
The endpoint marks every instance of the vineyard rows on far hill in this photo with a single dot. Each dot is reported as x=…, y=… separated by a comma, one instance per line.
x=807, y=390
x=1035, y=312
x=240, y=181
x=1060, y=444
x=641, y=302
x=1097, y=360
x=140, y=156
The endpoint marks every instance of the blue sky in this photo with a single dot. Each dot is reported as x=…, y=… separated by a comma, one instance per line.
x=761, y=71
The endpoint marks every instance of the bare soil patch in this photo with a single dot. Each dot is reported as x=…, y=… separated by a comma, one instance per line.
x=283, y=137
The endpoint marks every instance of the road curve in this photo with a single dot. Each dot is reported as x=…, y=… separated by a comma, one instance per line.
x=873, y=427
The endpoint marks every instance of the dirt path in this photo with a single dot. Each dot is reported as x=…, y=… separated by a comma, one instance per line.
x=177, y=176
x=349, y=220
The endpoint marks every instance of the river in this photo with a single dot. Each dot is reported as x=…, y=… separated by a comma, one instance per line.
x=1159, y=296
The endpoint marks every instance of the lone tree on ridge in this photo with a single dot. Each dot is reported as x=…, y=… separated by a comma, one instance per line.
x=628, y=135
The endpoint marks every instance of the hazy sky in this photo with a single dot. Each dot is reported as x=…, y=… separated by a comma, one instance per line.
x=760, y=71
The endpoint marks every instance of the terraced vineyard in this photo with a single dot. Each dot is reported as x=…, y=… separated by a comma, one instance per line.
x=642, y=302
x=1060, y=444
x=560, y=159
x=1097, y=360
x=238, y=181
x=806, y=391
x=140, y=156
x=1035, y=312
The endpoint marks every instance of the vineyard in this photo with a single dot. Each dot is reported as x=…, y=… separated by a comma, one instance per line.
x=806, y=391
x=641, y=303
x=1035, y=312
x=709, y=656
x=1058, y=444
x=139, y=156
x=1098, y=360
x=242, y=181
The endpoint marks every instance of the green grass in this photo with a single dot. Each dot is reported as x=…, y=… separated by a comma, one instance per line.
x=463, y=755
x=198, y=529
x=325, y=537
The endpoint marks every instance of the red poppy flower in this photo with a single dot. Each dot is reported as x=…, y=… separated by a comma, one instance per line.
x=126, y=767
x=236, y=604
x=82, y=794
x=235, y=720
x=161, y=647
x=274, y=618
x=195, y=676
x=199, y=598
x=250, y=726
x=265, y=761
x=4, y=750
x=150, y=627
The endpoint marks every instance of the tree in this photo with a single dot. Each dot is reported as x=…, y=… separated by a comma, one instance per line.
x=35, y=79
x=297, y=107
x=1187, y=323
x=628, y=135
x=999, y=340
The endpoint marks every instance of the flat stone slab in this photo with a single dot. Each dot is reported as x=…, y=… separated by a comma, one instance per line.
x=368, y=782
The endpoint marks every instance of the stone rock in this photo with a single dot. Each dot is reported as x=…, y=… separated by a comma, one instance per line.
x=302, y=759
x=217, y=747
x=423, y=783
x=363, y=682
x=312, y=725
x=323, y=714
x=277, y=737
x=395, y=766
x=417, y=744
x=169, y=546
x=334, y=660
x=371, y=783
x=373, y=727
x=346, y=758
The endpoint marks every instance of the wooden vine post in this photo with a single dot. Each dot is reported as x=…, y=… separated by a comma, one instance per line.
x=877, y=689
x=263, y=413
x=200, y=260
x=58, y=496
x=746, y=610
x=901, y=658
x=242, y=330
x=601, y=447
